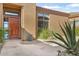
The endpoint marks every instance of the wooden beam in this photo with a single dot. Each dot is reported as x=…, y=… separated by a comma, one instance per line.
x=9, y=6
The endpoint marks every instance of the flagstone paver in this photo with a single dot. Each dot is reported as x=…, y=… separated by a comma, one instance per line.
x=30, y=48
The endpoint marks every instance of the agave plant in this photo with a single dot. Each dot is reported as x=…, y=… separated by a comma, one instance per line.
x=69, y=42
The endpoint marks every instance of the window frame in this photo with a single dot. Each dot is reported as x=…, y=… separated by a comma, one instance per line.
x=43, y=19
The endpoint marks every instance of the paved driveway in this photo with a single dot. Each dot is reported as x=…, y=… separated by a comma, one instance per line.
x=33, y=48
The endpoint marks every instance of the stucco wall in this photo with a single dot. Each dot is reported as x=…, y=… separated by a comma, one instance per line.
x=28, y=18
x=1, y=14
x=55, y=20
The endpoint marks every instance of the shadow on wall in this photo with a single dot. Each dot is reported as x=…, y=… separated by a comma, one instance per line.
x=26, y=36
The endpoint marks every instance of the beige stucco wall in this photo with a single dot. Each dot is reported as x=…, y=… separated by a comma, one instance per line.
x=1, y=14
x=28, y=18
x=55, y=20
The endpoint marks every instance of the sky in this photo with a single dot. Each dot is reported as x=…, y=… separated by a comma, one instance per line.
x=64, y=7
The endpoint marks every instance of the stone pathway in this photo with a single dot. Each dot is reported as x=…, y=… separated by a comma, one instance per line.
x=32, y=48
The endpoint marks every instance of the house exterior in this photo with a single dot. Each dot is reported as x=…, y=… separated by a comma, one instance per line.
x=54, y=18
x=27, y=23
x=23, y=18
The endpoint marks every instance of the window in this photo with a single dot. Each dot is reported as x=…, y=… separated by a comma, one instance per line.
x=76, y=22
x=42, y=14
x=5, y=24
x=42, y=20
x=11, y=14
x=6, y=29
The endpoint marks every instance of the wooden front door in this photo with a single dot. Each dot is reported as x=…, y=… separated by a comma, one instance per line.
x=14, y=27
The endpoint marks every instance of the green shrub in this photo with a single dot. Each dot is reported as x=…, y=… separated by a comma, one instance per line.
x=43, y=33
x=1, y=35
x=77, y=31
